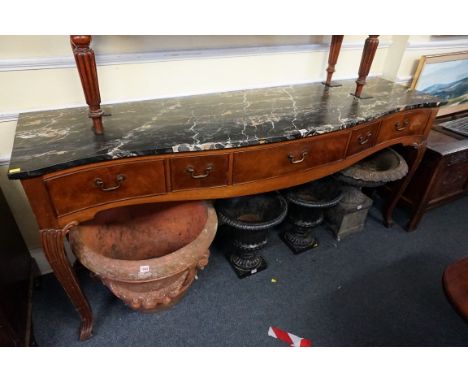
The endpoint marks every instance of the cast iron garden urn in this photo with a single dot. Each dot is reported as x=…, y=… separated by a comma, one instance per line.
x=306, y=205
x=247, y=221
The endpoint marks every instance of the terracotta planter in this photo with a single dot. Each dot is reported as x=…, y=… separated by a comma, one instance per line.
x=148, y=255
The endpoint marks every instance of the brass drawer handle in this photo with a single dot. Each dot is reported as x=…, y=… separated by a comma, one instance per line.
x=118, y=182
x=191, y=171
x=364, y=139
x=400, y=127
x=294, y=161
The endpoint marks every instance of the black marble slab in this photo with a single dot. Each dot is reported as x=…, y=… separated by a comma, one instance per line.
x=51, y=140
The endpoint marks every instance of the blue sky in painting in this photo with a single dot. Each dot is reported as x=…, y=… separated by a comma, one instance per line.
x=442, y=73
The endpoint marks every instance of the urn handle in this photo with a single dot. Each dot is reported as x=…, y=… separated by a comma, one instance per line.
x=119, y=179
x=293, y=160
x=191, y=171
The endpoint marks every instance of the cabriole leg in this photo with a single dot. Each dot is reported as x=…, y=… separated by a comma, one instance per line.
x=53, y=245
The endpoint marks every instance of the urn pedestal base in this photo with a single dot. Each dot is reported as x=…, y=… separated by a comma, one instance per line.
x=246, y=264
x=300, y=237
x=349, y=216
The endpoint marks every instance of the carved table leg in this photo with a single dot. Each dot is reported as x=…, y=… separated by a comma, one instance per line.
x=335, y=48
x=368, y=54
x=86, y=64
x=52, y=242
x=414, y=160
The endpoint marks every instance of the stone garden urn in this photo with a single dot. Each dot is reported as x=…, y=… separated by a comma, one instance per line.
x=247, y=221
x=376, y=170
x=147, y=255
x=350, y=214
x=306, y=205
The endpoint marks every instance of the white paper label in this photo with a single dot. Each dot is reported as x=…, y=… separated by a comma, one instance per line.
x=144, y=269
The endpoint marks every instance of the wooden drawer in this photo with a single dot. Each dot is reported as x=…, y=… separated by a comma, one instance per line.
x=284, y=158
x=104, y=184
x=363, y=138
x=199, y=171
x=405, y=123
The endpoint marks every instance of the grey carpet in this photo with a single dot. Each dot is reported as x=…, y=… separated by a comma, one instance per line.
x=380, y=287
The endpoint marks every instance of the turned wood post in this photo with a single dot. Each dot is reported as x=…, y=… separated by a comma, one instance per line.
x=86, y=64
x=368, y=54
x=335, y=47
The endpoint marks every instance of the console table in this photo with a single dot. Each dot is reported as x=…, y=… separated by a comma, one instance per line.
x=204, y=147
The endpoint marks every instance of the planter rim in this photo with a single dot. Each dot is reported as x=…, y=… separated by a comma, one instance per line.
x=172, y=263
x=357, y=173
x=256, y=226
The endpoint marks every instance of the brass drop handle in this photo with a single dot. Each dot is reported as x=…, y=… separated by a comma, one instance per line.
x=364, y=139
x=294, y=161
x=118, y=182
x=400, y=127
x=191, y=171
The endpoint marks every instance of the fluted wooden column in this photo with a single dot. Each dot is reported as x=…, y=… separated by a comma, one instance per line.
x=86, y=64
x=368, y=54
x=335, y=48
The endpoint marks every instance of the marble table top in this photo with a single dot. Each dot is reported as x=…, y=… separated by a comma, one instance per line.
x=46, y=141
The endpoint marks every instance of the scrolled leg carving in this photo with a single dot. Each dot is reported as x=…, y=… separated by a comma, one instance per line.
x=86, y=64
x=413, y=161
x=53, y=245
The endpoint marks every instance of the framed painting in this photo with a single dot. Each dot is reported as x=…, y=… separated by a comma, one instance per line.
x=445, y=76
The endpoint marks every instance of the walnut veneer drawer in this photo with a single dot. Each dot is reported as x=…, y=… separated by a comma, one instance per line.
x=199, y=171
x=405, y=123
x=90, y=187
x=284, y=158
x=363, y=138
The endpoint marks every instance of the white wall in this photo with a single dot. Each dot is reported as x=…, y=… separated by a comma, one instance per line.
x=38, y=72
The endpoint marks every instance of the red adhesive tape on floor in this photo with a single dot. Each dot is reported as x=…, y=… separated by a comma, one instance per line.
x=289, y=338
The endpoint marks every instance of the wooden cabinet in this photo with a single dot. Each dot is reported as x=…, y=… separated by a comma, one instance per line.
x=441, y=177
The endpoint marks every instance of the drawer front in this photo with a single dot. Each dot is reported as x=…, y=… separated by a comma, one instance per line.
x=289, y=157
x=363, y=138
x=201, y=171
x=405, y=123
x=87, y=188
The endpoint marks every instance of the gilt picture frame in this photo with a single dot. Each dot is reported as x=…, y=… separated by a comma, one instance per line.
x=445, y=76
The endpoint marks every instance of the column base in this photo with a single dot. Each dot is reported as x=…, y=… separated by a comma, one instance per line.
x=332, y=84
